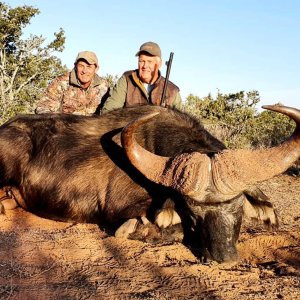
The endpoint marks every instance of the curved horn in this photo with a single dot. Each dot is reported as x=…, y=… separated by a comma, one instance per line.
x=235, y=170
x=291, y=112
x=150, y=165
x=218, y=179
x=187, y=173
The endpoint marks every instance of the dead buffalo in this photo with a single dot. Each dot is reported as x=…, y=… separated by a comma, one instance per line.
x=128, y=163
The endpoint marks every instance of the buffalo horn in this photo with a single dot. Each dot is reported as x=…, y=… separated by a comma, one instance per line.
x=149, y=164
x=235, y=170
x=221, y=178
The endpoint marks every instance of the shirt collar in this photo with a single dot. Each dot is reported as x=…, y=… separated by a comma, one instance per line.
x=74, y=80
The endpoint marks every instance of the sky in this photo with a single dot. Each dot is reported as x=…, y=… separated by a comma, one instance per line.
x=222, y=46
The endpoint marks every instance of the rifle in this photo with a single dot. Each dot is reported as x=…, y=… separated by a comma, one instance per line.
x=168, y=64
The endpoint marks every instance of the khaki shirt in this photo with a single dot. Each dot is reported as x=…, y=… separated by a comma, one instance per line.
x=65, y=95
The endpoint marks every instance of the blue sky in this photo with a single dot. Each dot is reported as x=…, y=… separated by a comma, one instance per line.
x=228, y=45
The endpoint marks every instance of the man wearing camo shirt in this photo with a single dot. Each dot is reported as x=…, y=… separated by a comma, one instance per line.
x=77, y=92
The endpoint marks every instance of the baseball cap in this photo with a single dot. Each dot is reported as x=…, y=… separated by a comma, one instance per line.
x=89, y=56
x=151, y=48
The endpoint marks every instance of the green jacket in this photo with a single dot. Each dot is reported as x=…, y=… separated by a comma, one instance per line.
x=130, y=91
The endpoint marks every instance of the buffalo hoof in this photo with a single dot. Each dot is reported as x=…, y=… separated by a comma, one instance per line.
x=126, y=228
x=151, y=233
x=7, y=200
x=148, y=233
x=10, y=198
x=173, y=233
x=142, y=229
x=167, y=217
x=9, y=204
x=130, y=226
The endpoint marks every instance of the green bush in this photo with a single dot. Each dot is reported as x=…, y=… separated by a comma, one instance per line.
x=234, y=119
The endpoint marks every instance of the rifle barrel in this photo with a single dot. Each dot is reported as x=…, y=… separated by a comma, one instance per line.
x=169, y=65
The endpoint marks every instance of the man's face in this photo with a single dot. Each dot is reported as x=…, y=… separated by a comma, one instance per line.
x=85, y=72
x=148, y=68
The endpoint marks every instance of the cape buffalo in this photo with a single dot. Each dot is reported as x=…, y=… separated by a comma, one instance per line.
x=127, y=163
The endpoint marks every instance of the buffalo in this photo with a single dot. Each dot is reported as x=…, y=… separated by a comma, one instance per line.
x=135, y=164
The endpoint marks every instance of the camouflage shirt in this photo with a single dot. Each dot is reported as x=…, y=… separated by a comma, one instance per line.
x=65, y=95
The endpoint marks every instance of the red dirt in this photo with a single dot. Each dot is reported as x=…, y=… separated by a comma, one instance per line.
x=43, y=259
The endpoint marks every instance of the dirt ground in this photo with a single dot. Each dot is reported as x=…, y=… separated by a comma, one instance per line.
x=43, y=259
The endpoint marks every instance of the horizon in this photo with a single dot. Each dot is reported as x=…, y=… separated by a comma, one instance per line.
x=218, y=46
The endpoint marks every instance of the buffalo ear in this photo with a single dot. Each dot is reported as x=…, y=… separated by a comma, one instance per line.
x=258, y=207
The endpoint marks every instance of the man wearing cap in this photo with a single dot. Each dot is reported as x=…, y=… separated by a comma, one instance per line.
x=77, y=92
x=144, y=85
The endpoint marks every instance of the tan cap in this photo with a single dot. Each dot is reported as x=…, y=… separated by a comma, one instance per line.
x=151, y=48
x=89, y=56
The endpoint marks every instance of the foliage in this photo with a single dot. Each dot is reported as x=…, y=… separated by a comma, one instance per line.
x=111, y=80
x=26, y=65
x=271, y=129
x=234, y=119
